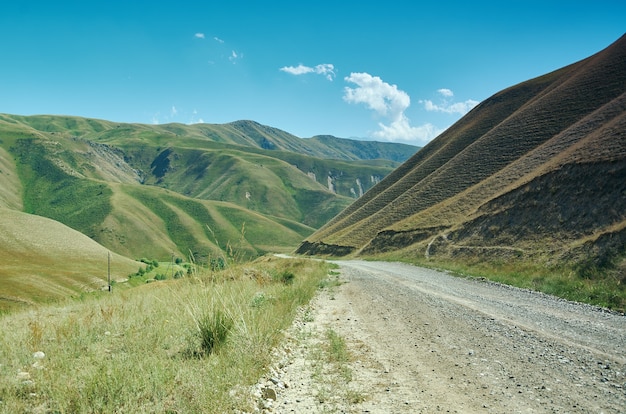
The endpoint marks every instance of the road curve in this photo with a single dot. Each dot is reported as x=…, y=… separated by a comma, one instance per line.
x=467, y=345
x=579, y=324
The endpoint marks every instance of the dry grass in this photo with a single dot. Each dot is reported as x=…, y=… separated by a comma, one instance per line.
x=143, y=349
x=43, y=260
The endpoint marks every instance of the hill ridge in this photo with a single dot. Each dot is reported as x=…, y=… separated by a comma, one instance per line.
x=522, y=135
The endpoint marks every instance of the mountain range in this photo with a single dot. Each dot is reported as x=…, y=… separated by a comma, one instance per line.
x=534, y=175
x=156, y=191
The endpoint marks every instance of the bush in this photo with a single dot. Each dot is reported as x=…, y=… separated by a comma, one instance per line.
x=286, y=277
x=217, y=264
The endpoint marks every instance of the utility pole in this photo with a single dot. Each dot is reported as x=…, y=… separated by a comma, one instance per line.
x=109, y=270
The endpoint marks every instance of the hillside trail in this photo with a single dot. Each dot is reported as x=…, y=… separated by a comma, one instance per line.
x=422, y=341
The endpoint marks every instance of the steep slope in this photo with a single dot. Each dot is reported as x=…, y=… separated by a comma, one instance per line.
x=348, y=149
x=10, y=185
x=44, y=260
x=537, y=171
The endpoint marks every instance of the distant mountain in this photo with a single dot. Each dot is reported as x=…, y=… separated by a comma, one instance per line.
x=536, y=173
x=236, y=190
x=321, y=146
x=150, y=190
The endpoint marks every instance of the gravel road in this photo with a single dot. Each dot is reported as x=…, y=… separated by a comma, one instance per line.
x=423, y=341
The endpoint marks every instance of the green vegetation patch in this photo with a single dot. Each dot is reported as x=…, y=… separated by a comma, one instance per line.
x=50, y=191
x=177, y=228
x=605, y=289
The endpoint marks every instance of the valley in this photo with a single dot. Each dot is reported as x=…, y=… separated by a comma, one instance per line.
x=196, y=192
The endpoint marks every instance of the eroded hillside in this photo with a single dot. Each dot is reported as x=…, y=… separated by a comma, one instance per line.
x=534, y=173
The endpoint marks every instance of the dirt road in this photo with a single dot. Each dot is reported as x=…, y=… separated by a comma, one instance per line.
x=422, y=341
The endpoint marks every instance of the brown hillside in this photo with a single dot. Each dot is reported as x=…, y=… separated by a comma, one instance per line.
x=537, y=170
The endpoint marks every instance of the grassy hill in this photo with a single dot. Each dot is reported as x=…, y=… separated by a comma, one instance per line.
x=237, y=190
x=43, y=260
x=534, y=176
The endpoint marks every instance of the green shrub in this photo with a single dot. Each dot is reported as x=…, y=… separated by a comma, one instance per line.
x=213, y=329
x=286, y=277
x=217, y=264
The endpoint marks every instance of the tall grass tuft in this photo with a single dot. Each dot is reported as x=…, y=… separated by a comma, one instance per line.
x=213, y=328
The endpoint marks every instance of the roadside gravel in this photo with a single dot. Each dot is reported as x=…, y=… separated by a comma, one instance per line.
x=422, y=341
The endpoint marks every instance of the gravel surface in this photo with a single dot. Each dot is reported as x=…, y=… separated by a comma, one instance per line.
x=422, y=341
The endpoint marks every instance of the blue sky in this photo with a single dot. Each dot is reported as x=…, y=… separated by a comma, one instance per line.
x=399, y=71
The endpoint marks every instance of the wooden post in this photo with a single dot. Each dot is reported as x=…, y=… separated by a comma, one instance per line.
x=109, y=270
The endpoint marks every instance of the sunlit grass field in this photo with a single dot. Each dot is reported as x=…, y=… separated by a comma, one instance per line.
x=194, y=344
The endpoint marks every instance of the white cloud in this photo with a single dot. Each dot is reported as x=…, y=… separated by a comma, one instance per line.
x=234, y=56
x=446, y=105
x=401, y=130
x=326, y=69
x=174, y=114
x=446, y=92
x=389, y=102
x=218, y=40
x=385, y=99
x=199, y=35
x=194, y=119
x=297, y=70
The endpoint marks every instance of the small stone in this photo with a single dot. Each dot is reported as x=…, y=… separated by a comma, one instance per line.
x=268, y=393
x=23, y=376
x=39, y=355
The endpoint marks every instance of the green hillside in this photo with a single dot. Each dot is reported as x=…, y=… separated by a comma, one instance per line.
x=203, y=191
